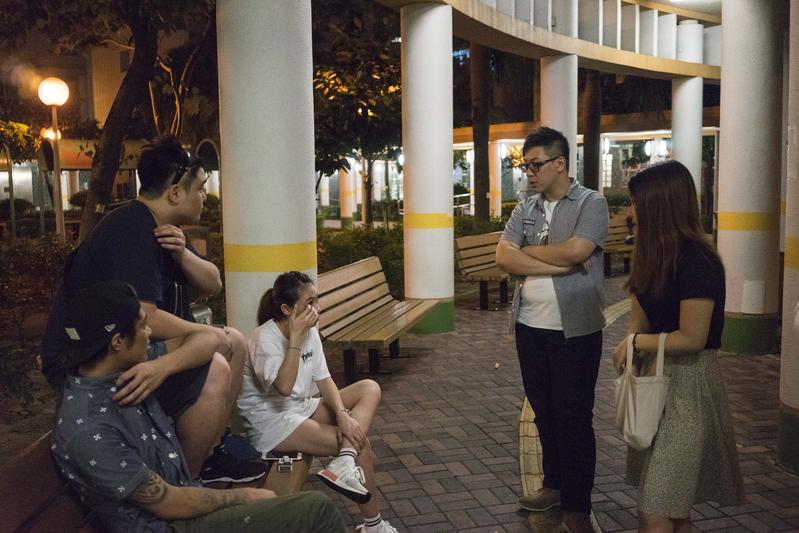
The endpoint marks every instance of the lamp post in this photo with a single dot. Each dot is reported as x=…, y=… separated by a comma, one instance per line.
x=54, y=92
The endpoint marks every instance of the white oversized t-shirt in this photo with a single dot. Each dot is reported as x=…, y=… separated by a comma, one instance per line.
x=270, y=417
x=539, y=303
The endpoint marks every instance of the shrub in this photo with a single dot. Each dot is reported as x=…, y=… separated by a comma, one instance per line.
x=616, y=201
x=22, y=208
x=342, y=247
x=212, y=214
x=469, y=225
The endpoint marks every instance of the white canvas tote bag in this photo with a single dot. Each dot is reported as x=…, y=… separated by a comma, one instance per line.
x=640, y=400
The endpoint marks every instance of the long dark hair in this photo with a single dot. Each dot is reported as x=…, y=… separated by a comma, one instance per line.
x=664, y=198
x=286, y=290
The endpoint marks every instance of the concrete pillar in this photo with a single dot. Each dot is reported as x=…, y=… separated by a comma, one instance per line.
x=749, y=186
x=495, y=179
x=74, y=183
x=324, y=191
x=788, y=429
x=559, y=85
x=346, y=194
x=427, y=146
x=266, y=126
x=686, y=104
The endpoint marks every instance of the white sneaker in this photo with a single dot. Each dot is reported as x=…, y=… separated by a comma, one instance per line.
x=382, y=527
x=343, y=476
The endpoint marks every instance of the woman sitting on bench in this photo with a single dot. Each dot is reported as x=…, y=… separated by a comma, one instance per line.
x=285, y=372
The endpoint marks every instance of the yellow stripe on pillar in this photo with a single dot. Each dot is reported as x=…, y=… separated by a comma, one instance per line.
x=270, y=257
x=428, y=220
x=792, y=252
x=747, y=221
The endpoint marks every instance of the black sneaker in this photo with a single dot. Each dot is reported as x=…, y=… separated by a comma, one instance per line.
x=222, y=466
x=239, y=447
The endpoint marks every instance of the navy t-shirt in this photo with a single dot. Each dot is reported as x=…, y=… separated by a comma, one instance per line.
x=699, y=275
x=121, y=247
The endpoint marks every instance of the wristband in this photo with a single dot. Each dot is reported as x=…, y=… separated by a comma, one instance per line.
x=294, y=348
x=345, y=410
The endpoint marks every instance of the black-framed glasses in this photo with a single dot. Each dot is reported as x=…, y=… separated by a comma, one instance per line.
x=535, y=166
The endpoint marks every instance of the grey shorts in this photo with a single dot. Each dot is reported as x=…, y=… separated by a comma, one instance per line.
x=179, y=391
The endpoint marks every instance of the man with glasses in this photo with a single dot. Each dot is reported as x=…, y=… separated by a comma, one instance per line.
x=552, y=244
x=142, y=244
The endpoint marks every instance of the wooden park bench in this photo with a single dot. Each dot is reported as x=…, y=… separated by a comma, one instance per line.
x=619, y=240
x=359, y=313
x=476, y=258
x=35, y=498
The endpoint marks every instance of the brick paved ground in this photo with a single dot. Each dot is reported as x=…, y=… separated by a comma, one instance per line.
x=446, y=436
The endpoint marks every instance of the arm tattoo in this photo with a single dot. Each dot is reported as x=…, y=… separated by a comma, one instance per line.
x=151, y=490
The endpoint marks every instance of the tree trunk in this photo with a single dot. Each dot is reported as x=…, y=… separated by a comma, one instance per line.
x=366, y=203
x=591, y=120
x=480, y=85
x=106, y=161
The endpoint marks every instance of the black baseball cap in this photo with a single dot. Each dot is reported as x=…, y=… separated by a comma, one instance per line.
x=93, y=316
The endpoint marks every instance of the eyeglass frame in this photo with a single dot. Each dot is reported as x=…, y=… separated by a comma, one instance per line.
x=535, y=166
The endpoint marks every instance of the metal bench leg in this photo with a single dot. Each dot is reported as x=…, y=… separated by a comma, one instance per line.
x=483, y=295
x=393, y=351
x=374, y=361
x=350, y=366
x=503, y=292
x=626, y=265
x=607, y=265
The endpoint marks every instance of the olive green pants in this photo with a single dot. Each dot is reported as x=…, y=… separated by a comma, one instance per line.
x=305, y=512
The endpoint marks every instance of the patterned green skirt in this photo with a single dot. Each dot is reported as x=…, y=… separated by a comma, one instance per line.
x=693, y=457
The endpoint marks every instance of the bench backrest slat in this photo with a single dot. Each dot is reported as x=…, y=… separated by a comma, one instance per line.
x=335, y=279
x=476, y=252
x=339, y=325
x=34, y=497
x=346, y=292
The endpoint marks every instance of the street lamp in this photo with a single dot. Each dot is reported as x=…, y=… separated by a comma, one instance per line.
x=54, y=92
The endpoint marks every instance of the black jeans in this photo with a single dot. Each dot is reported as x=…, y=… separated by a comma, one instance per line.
x=559, y=376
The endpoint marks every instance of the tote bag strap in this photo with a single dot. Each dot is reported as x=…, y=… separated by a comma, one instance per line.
x=630, y=351
x=661, y=354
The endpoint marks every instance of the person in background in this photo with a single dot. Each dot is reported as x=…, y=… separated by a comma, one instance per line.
x=124, y=460
x=282, y=378
x=677, y=286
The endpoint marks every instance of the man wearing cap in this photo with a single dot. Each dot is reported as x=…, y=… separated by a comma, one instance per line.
x=142, y=244
x=124, y=460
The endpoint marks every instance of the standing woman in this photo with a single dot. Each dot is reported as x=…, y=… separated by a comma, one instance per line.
x=283, y=377
x=677, y=286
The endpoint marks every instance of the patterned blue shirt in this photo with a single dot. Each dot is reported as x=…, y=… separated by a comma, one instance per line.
x=106, y=450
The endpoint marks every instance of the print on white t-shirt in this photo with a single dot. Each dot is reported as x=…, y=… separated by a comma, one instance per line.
x=539, y=304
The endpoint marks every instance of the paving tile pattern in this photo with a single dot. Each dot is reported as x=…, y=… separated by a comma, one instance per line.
x=446, y=436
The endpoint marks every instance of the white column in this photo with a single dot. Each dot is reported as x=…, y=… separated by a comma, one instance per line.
x=590, y=21
x=266, y=126
x=748, y=219
x=686, y=104
x=788, y=430
x=427, y=147
x=559, y=85
x=667, y=36
x=74, y=183
x=630, y=27
x=324, y=191
x=346, y=194
x=495, y=179
x=648, y=32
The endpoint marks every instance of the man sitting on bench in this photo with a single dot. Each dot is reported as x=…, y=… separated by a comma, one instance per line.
x=125, y=460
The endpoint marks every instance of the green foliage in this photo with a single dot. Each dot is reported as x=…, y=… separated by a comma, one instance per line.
x=22, y=208
x=616, y=201
x=469, y=225
x=212, y=214
x=30, y=273
x=357, y=98
x=342, y=247
x=19, y=140
x=78, y=199
x=459, y=188
x=16, y=364
x=217, y=253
